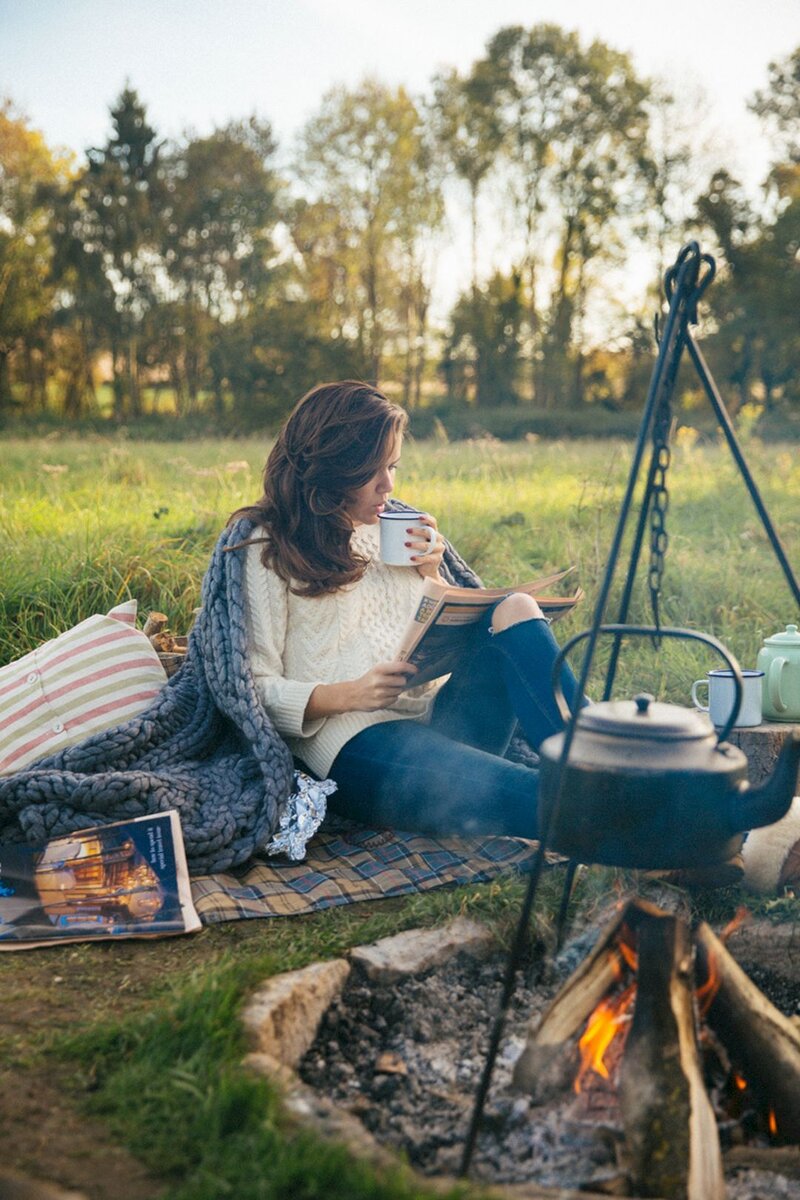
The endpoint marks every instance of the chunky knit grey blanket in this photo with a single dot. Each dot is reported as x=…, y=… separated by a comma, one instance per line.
x=205, y=746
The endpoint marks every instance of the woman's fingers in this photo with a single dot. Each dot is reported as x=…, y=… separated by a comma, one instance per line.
x=395, y=673
x=424, y=546
x=381, y=685
x=427, y=554
x=420, y=538
x=395, y=677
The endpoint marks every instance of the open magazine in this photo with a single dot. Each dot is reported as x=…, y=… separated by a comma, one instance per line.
x=128, y=879
x=445, y=620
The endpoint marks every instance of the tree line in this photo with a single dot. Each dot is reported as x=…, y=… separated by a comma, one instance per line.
x=199, y=269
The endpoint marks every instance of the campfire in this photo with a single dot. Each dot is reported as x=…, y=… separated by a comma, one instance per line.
x=643, y=1072
x=661, y=1031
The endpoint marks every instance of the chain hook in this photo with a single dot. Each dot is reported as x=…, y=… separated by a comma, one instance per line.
x=687, y=270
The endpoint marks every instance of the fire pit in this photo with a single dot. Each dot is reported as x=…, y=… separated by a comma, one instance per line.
x=405, y=1056
x=687, y=1056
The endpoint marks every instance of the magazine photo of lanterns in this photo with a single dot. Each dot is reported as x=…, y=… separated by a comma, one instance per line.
x=127, y=879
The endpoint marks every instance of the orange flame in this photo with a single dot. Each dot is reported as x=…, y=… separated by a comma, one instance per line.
x=629, y=954
x=707, y=991
x=738, y=918
x=601, y=1030
x=772, y=1123
x=741, y=1083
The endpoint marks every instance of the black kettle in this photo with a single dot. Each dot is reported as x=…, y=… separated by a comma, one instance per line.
x=653, y=785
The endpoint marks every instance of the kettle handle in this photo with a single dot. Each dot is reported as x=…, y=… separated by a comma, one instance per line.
x=774, y=673
x=649, y=631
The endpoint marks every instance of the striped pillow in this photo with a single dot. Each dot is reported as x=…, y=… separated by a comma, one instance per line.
x=90, y=678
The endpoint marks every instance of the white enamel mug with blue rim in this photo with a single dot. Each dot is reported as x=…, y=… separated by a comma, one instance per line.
x=394, y=550
x=722, y=694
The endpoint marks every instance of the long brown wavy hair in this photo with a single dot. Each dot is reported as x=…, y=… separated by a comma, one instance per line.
x=333, y=442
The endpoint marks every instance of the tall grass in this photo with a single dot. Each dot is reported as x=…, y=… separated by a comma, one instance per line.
x=84, y=524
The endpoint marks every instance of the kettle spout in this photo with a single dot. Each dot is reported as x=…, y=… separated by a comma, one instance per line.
x=764, y=805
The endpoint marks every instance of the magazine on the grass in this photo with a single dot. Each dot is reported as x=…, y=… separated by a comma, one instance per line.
x=128, y=879
x=445, y=620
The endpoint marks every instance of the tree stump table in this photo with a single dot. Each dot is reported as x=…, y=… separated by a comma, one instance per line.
x=762, y=745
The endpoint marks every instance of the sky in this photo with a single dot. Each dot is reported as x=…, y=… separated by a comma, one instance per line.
x=199, y=63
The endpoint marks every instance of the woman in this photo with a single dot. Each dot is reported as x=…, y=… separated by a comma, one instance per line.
x=324, y=619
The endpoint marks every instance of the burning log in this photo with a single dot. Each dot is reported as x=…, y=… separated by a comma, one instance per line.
x=646, y=1069
x=670, y=1127
x=764, y=1044
x=547, y=1064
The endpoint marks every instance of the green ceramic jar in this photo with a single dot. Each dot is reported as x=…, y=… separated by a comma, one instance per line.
x=779, y=659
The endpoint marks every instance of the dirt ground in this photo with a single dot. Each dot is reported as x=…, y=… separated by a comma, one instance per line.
x=48, y=1137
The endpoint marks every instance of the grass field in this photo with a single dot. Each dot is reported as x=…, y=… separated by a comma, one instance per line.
x=133, y=1050
x=84, y=524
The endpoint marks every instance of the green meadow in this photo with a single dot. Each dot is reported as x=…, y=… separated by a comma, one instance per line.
x=86, y=523
x=134, y=1050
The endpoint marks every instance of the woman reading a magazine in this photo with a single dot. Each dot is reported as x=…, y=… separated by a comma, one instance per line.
x=324, y=620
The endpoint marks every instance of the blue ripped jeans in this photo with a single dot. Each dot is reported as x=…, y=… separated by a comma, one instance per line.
x=450, y=776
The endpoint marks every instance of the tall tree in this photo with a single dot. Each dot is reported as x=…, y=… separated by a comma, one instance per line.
x=682, y=156
x=725, y=211
x=468, y=129
x=485, y=338
x=778, y=106
x=758, y=297
x=756, y=301
x=327, y=266
x=119, y=218
x=84, y=299
x=419, y=220
x=526, y=69
x=575, y=139
x=27, y=168
x=219, y=207
x=601, y=176
x=365, y=155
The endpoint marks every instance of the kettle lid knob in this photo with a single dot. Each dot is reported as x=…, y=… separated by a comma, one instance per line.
x=787, y=637
x=643, y=702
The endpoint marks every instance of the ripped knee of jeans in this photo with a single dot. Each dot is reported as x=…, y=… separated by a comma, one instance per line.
x=515, y=609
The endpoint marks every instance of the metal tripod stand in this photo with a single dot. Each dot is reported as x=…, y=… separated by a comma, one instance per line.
x=684, y=284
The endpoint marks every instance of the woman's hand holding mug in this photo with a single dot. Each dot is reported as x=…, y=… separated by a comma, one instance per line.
x=412, y=539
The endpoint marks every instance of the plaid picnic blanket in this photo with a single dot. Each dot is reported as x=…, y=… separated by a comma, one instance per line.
x=346, y=862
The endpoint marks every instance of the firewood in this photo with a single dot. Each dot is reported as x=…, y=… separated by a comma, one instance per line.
x=547, y=1064
x=163, y=642
x=155, y=622
x=670, y=1128
x=781, y=1160
x=762, y=1042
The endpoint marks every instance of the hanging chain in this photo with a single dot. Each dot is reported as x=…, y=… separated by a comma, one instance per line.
x=662, y=422
x=659, y=506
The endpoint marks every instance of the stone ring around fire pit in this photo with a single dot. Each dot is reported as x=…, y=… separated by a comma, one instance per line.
x=283, y=1017
x=353, y=1043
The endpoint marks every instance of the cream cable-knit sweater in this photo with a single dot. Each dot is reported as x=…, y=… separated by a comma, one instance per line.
x=296, y=642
